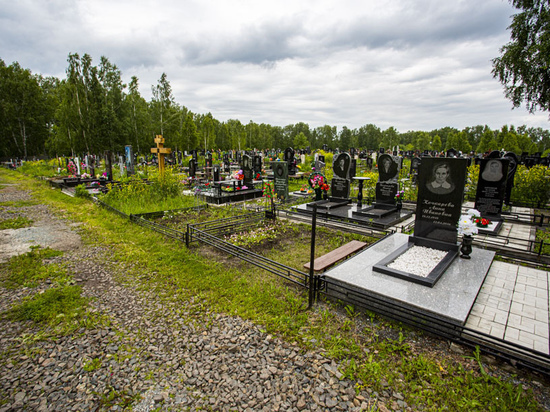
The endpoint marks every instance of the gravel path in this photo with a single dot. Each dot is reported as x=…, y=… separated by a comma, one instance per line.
x=152, y=353
x=159, y=355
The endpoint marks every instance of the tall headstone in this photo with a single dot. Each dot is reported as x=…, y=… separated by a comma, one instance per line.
x=280, y=179
x=129, y=160
x=248, y=172
x=291, y=161
x=340, y=185
x=216, y=173
x=353, y=168
x=440, y=193
x=108, y=165
x=491, y=187
x=192, y=167
x=257, y=164
x=413, y=172
x=512, y=167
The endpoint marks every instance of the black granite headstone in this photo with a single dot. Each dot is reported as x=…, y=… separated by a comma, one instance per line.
x=340, y=188
x=192, y=167
x=280, y=179
x=512, y=167
x=340, y=184
x=257, y=164
x=341, y=166
x=108, y=165
x=440, y=193
x=388, y=168
x=216, y=173
x=248, y=172
x=385, y=193
x=491, y=186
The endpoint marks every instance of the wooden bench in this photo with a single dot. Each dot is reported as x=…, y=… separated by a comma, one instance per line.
x=333, y=257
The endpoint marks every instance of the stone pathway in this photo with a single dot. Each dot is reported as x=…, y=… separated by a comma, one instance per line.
x=513, y=305
x=158, y=354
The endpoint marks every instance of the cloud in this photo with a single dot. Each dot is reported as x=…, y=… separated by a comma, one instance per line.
x=415, y=65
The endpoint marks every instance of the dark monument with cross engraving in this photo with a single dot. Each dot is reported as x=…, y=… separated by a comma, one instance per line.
x=440, y=193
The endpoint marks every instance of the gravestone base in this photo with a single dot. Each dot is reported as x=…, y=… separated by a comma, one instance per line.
x=377, y=210
x=493, y=228
x=329, y=204
x=450, y=300
x=230, y=197
x=436, y=273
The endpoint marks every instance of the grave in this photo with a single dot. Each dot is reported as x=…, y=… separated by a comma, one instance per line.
x=491, y=189
x=161, y=151
x=339, y=187
x=248, y=172
x=129, y=160
x=386, y=190
x=280, y=179
x=439, y=205
x=512, y=167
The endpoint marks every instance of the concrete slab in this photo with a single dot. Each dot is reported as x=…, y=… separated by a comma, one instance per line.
x=451, y=298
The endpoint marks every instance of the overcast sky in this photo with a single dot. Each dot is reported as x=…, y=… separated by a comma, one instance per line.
x=414, y=65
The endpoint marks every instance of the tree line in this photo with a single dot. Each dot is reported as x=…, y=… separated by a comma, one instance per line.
x=92, y=110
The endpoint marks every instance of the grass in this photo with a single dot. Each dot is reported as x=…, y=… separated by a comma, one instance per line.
x=52, y=307
x=15, y=223
x=375, y=353
x=28, y=269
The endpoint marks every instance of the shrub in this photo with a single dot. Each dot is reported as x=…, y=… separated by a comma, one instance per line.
x=531, y=186
x=80, y=191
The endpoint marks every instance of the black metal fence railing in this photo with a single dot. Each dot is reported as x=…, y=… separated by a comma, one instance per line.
x=230, y=225
x=110, y=208
x=210, y=238
x=165, y=230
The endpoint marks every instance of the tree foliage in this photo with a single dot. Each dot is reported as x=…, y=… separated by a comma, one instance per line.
x=92, y=110
x=523, y=67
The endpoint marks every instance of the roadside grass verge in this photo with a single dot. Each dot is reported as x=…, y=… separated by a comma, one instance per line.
x=378, y=355
x=15, y=223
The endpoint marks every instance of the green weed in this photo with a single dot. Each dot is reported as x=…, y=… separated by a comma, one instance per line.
x=15, y=223
x=54, y=306
x=28, y=269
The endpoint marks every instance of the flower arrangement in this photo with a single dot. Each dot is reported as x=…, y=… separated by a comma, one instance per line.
x=399, y=196
x=318, y=181
x=467, y=225
x=85, y=176
x=72, y=168
x=482, y=222
x=238, y=175
x=258, y=176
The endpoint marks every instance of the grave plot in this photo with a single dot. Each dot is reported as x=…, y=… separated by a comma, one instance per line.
x=257, y=240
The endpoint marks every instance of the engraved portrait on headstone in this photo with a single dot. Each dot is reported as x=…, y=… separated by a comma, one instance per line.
x=440, y=181
x=388, y=169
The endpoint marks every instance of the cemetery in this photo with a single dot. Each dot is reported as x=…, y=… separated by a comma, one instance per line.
x=417, y=245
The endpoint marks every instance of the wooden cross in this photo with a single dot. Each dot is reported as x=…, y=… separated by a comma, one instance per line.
x=160, y=151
